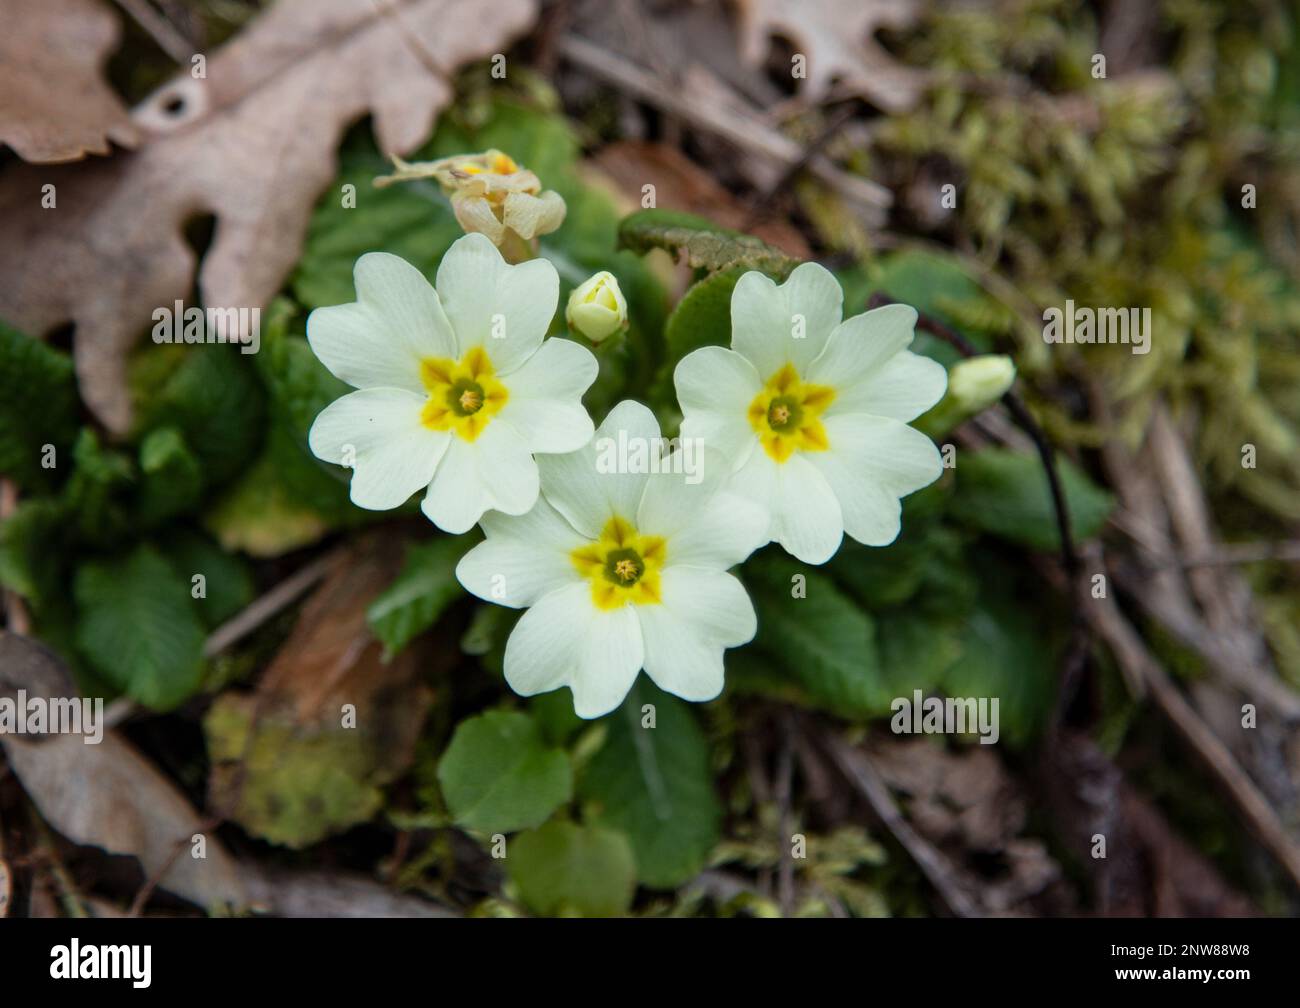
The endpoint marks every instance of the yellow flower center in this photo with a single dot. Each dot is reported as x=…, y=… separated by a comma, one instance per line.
x=786, y=414
x=622, y=565
x=463, y=394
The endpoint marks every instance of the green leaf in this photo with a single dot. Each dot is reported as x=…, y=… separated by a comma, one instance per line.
x=700, y=243
x=499, y=776
x=916, y=649
x=99, y=491
x=287, y=498
x=412, y=220
x=1007, y=653
x=171, y=476
x=703, y=316
x=418, y=596
x=655, y=785
x=34, y=542
x=554, y=713
x=210, y=394
x=564, y=869
x=823, y=644
x=137, y=626
x=1006, y=493
x=259, y=516
x=38, y=406
x=228, y=582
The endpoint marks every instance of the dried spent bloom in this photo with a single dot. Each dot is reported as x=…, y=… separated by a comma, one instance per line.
x=620, y=570
x=814, y=411
x=597, y=308
x=491, y=195
x=457, y=387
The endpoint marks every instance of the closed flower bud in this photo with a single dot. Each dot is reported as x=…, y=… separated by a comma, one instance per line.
x=974, y=385
x=597, y=308
x=978, y=382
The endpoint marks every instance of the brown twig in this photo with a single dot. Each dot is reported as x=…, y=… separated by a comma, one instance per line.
x=1131, y=652
x=158, y=28
x=862, y=774
x=744, y=131
x=762, y=204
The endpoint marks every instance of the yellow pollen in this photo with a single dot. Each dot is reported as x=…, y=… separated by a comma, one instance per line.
x=463, y=395
x=622, y=565
x=786, y=414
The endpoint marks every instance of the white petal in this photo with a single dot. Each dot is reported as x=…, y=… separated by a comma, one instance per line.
x=705, y=526
x=861, y=345
x=478, y=288
x=903, y=388
x=702, y=614
x=393, y=454
x=494, y=472
x=545, y=403
x=591, y=485
x=565, y=640
x=522, y=559
x=872, y=462
x=764, y=317
x=380, y=339
x=805, y=516
x=715, y=387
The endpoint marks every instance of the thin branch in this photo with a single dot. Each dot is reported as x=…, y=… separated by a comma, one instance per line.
x=1132, y=654
x=744, y=131
x=862, y=773
x=158, y=28
x=253, y=616
x=762, y=204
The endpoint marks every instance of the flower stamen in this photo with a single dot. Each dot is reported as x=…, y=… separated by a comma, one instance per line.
x=463, y=394
x=622, y=565
x=786, y=414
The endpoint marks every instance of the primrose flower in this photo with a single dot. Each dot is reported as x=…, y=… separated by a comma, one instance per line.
x=490, y=194
x=814, y=411
x=597, y=308
x=456, y=387
x=620, y=569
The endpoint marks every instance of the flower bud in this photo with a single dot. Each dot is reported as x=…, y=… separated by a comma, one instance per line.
x=974, y=384
x=978, y=382
x=597, y=308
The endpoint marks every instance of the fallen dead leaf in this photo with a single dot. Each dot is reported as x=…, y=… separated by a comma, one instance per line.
x=284, y=764
x=254, y=145
x=965, y=802
x=836, y=38
x=107, y=795
x=54, y=102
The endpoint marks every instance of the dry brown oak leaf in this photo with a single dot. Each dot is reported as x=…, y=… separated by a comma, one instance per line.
x=253, y=144
x=54, y=102
x=106, y=794
x=836, y=38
